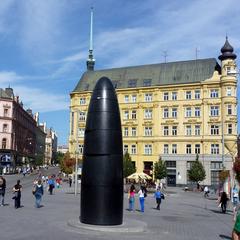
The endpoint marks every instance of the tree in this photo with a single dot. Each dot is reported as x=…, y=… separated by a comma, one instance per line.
x=160, y=169
x=128, y=166
x=39, y=159
x=223, y=175
x=197, y=172
x=59, y=157
x=236, y=168
x=67, y=163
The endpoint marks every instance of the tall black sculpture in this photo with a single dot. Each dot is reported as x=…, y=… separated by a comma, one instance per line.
x=102, y=171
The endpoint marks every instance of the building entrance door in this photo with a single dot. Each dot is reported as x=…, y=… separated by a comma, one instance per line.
x=171, y=180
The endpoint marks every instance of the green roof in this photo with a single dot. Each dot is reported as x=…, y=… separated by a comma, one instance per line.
x=3, y=94
x=181, y=72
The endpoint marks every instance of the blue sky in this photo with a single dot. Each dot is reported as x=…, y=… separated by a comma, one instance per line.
x=44, y=43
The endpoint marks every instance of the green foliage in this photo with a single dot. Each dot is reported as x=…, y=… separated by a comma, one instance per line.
x=160, y=169
x=128, y=166
x=59, y=157
x=67, y=163
x=197, y=172
x=39, y=160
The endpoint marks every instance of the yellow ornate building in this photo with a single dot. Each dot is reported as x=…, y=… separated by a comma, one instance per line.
x=172, y=110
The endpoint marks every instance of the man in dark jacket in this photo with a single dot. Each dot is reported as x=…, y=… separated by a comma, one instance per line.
x=2, y=190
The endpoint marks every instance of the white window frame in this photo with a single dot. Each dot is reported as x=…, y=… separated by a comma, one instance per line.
x=80, y=148
x=214, y=93
x=148, y=97
x=126, y=98
x=230, y=128
x=125, y=131
x=165, y=149
x=174, y=112
x=133, y=149
x=165, y=96
x=134, y=114
x=197, y=148
x=214, y=149
x=82, y=116
x=82, y=101
x=134, y=98
x=188, y=112
x=188, y=149
x=165, y=113
x=174, y=148
x=197, y=111
x=148, y=113
x=188, y=130
x=174, y=130
x=214, y=129
x=229, y=109
x=197, y=94
x=229, y=91
x=81, y=132
x=165, y=130
x=147, y=131
x=174, y=96
x=188, y=95
x=214, y=111
x=126, y=114
x=148, y=149
x=134, y=131
x=197, y=130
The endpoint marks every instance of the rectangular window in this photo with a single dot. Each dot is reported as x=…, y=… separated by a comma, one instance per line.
x=230, y=128
x=148, y=149
x=81, y=132
x=165, y=130
x=134, y=132
x=174, y=130
x=216, y=165
x=134, y=114
x=174, y=148
x=5, y=112
x=214, y=148
x=214, y=130
x=134, y=98
x=165, y=96
x=148, y=113
x=188, y=95
x=126, y=114
x=148, y=131
x=125, y=148
x=174, y=113
x=214, y=93
x=133, y=149
x=82, y=116
x=132, y=83
x=125, y=132
x=188, y=130
x=197, y=112
x=215, y=178
x=188, y=112
x=5, y=127
x=174, y=95
x=148, y=97
x=197, y=94
x=126, y=98
x=214, y=111
x=80, y=147
x=188, y=149
x=229, y=91
x=82, y=101
x=165, y=148
x=72, y=123
x=165, y=113
x=197, y=148
x=147, y=82
x=197, y=130
x=229, y=109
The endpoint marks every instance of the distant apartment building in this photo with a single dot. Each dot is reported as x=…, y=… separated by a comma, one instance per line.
x=62, y=149
x=50, y=147
x=21, y=139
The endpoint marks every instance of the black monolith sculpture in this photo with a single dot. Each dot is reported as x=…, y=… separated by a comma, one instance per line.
x=102, y=171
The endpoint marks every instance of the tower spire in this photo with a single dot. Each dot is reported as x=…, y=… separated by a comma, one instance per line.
x=91, y=60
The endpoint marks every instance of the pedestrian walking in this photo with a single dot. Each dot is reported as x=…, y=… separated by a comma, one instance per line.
x=235, y=196
x=141, y=198
x=223, y=201
x=70, y=182
x=51, y=184
x=17, y=189
x=131, y=197
x=38, y=193
x=158, y=196
x=206, y=191
x=2, y=190
x=236, y=228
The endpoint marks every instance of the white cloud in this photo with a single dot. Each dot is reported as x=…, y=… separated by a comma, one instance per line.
x=7, y=78
x=40, y=100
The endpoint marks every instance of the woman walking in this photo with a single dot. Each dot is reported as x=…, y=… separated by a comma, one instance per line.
x=141, y=198
x=223, y=201
x=17, y=189
x=38, y=193
x=131, y=198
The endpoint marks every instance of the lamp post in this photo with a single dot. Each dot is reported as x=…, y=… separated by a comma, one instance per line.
x=76, y=155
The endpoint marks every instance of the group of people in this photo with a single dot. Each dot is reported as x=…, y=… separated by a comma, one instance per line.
x=142, y=194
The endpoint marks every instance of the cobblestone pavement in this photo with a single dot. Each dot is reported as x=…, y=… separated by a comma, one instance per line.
x=183, y=215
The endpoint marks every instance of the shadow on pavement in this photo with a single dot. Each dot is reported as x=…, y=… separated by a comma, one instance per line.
x=220, y=212
x=224, y=237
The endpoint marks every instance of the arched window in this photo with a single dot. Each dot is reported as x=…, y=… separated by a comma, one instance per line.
x=4, y=143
